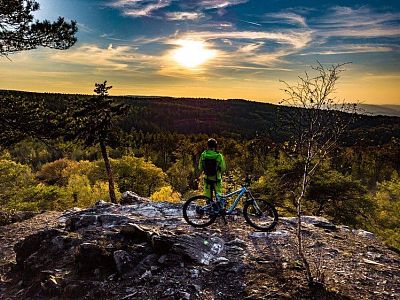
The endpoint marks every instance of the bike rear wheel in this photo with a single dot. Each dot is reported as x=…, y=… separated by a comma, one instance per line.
x=260, y=214
x=198, y=211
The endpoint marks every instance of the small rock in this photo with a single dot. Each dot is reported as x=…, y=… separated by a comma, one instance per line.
x=220, y=260
x=325, y=225
x=235, y=248
x=170, y=259
x=273, y=234
x=134, y=231
x=129, y=198
x=91, y=256
x=185, y=295
x=124, y=262
x=371, y=262
x=74, y=291
x=237, y=242
x=103, y=204
x=25, y=248
x=364, y=233
x=194, y=273
x=110, y=220
x=146, y=274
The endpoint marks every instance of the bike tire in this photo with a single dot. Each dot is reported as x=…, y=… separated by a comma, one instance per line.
x=190, y=216
x=269, y=215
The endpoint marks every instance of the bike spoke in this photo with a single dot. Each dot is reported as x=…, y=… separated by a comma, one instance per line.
x=198, y=211
x=261, y=215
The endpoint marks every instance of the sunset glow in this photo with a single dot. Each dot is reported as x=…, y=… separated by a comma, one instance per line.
x=192, y=54
x=215, y=49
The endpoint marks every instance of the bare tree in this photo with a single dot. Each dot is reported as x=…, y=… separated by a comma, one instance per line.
x=314, y=121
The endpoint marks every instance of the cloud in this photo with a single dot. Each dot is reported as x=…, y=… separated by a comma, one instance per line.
x=140, y=8
x=350, y=49
x=180, y=16
x=361, y=22
x=251, y=48
x=210, y=4
x=110, y=58
x=192, y=9
x=285, y=17
x=297, y=39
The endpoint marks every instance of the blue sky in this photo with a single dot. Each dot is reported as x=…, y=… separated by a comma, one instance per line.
x=243, y=47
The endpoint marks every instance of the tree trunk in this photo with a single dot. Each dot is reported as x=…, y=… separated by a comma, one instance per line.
x=304, y=261
x=111, y=189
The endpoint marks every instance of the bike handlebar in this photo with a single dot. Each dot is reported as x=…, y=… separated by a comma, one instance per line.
x=247, y=181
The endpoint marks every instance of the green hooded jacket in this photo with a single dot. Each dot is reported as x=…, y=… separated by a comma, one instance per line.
x=220, y=162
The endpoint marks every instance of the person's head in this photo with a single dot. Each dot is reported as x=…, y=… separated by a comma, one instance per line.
x=212, y=144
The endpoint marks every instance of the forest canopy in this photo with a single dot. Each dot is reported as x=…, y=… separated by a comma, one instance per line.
x=156, y=156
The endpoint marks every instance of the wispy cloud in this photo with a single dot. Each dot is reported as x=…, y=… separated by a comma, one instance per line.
x=297, y=39
x=251, y=48
x=190, y=9
x=349, y=49
x=357, y=22
x=209, y=4
x=110, y=58
x=285, y=17
x=181, y=16
x=140, y=8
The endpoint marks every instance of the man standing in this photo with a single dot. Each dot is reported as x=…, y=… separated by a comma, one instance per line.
x=213, y=164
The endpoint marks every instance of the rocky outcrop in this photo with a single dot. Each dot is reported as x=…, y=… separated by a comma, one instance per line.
x=144, y=250
x=13, y=217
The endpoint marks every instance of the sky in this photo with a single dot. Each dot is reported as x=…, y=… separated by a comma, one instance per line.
x=216, y=48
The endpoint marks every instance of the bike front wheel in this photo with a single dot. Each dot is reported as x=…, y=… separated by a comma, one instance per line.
x=198, y=211
x=260, y=214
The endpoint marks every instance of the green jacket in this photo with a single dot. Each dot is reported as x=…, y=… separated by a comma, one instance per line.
x=220, y=162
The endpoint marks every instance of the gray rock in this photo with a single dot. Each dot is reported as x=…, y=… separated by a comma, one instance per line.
x=124, y=262
x=146, y=264
x=364, y=233
x=185, y=295
x=149, y=211
x=90, y=256
x=76, y=222
x=325, y=225
x=194, y=273
x=110, y=220
x=25, y=248
x=273, y=234
x=237, y=242
x=103, y=204
x=200, y=248
x=74, y=291
x=129, y=198
x=65, y=242
x=135, y=231
x=170, y=259
x=220, y=260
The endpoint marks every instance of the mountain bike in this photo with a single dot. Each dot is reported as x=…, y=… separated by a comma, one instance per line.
x=202, y=211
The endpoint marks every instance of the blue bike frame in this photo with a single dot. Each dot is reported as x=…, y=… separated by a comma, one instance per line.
x=222, y=198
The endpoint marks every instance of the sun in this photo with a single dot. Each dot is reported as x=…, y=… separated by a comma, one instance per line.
x=191, y=54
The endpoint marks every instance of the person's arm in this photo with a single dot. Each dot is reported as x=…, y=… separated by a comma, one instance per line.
x=222, y=166
x=200, y=166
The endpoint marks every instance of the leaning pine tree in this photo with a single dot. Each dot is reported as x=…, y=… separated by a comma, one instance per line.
x=19, y=31
x=314, y=122
x=93, y=121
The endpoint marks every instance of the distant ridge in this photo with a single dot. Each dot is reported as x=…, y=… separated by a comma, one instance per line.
x=385, y=110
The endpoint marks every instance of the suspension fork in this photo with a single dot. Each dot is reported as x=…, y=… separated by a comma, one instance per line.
x=253, y=201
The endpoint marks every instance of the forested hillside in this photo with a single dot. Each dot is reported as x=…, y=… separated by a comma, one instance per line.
x=229, y=118
x=156, y=155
